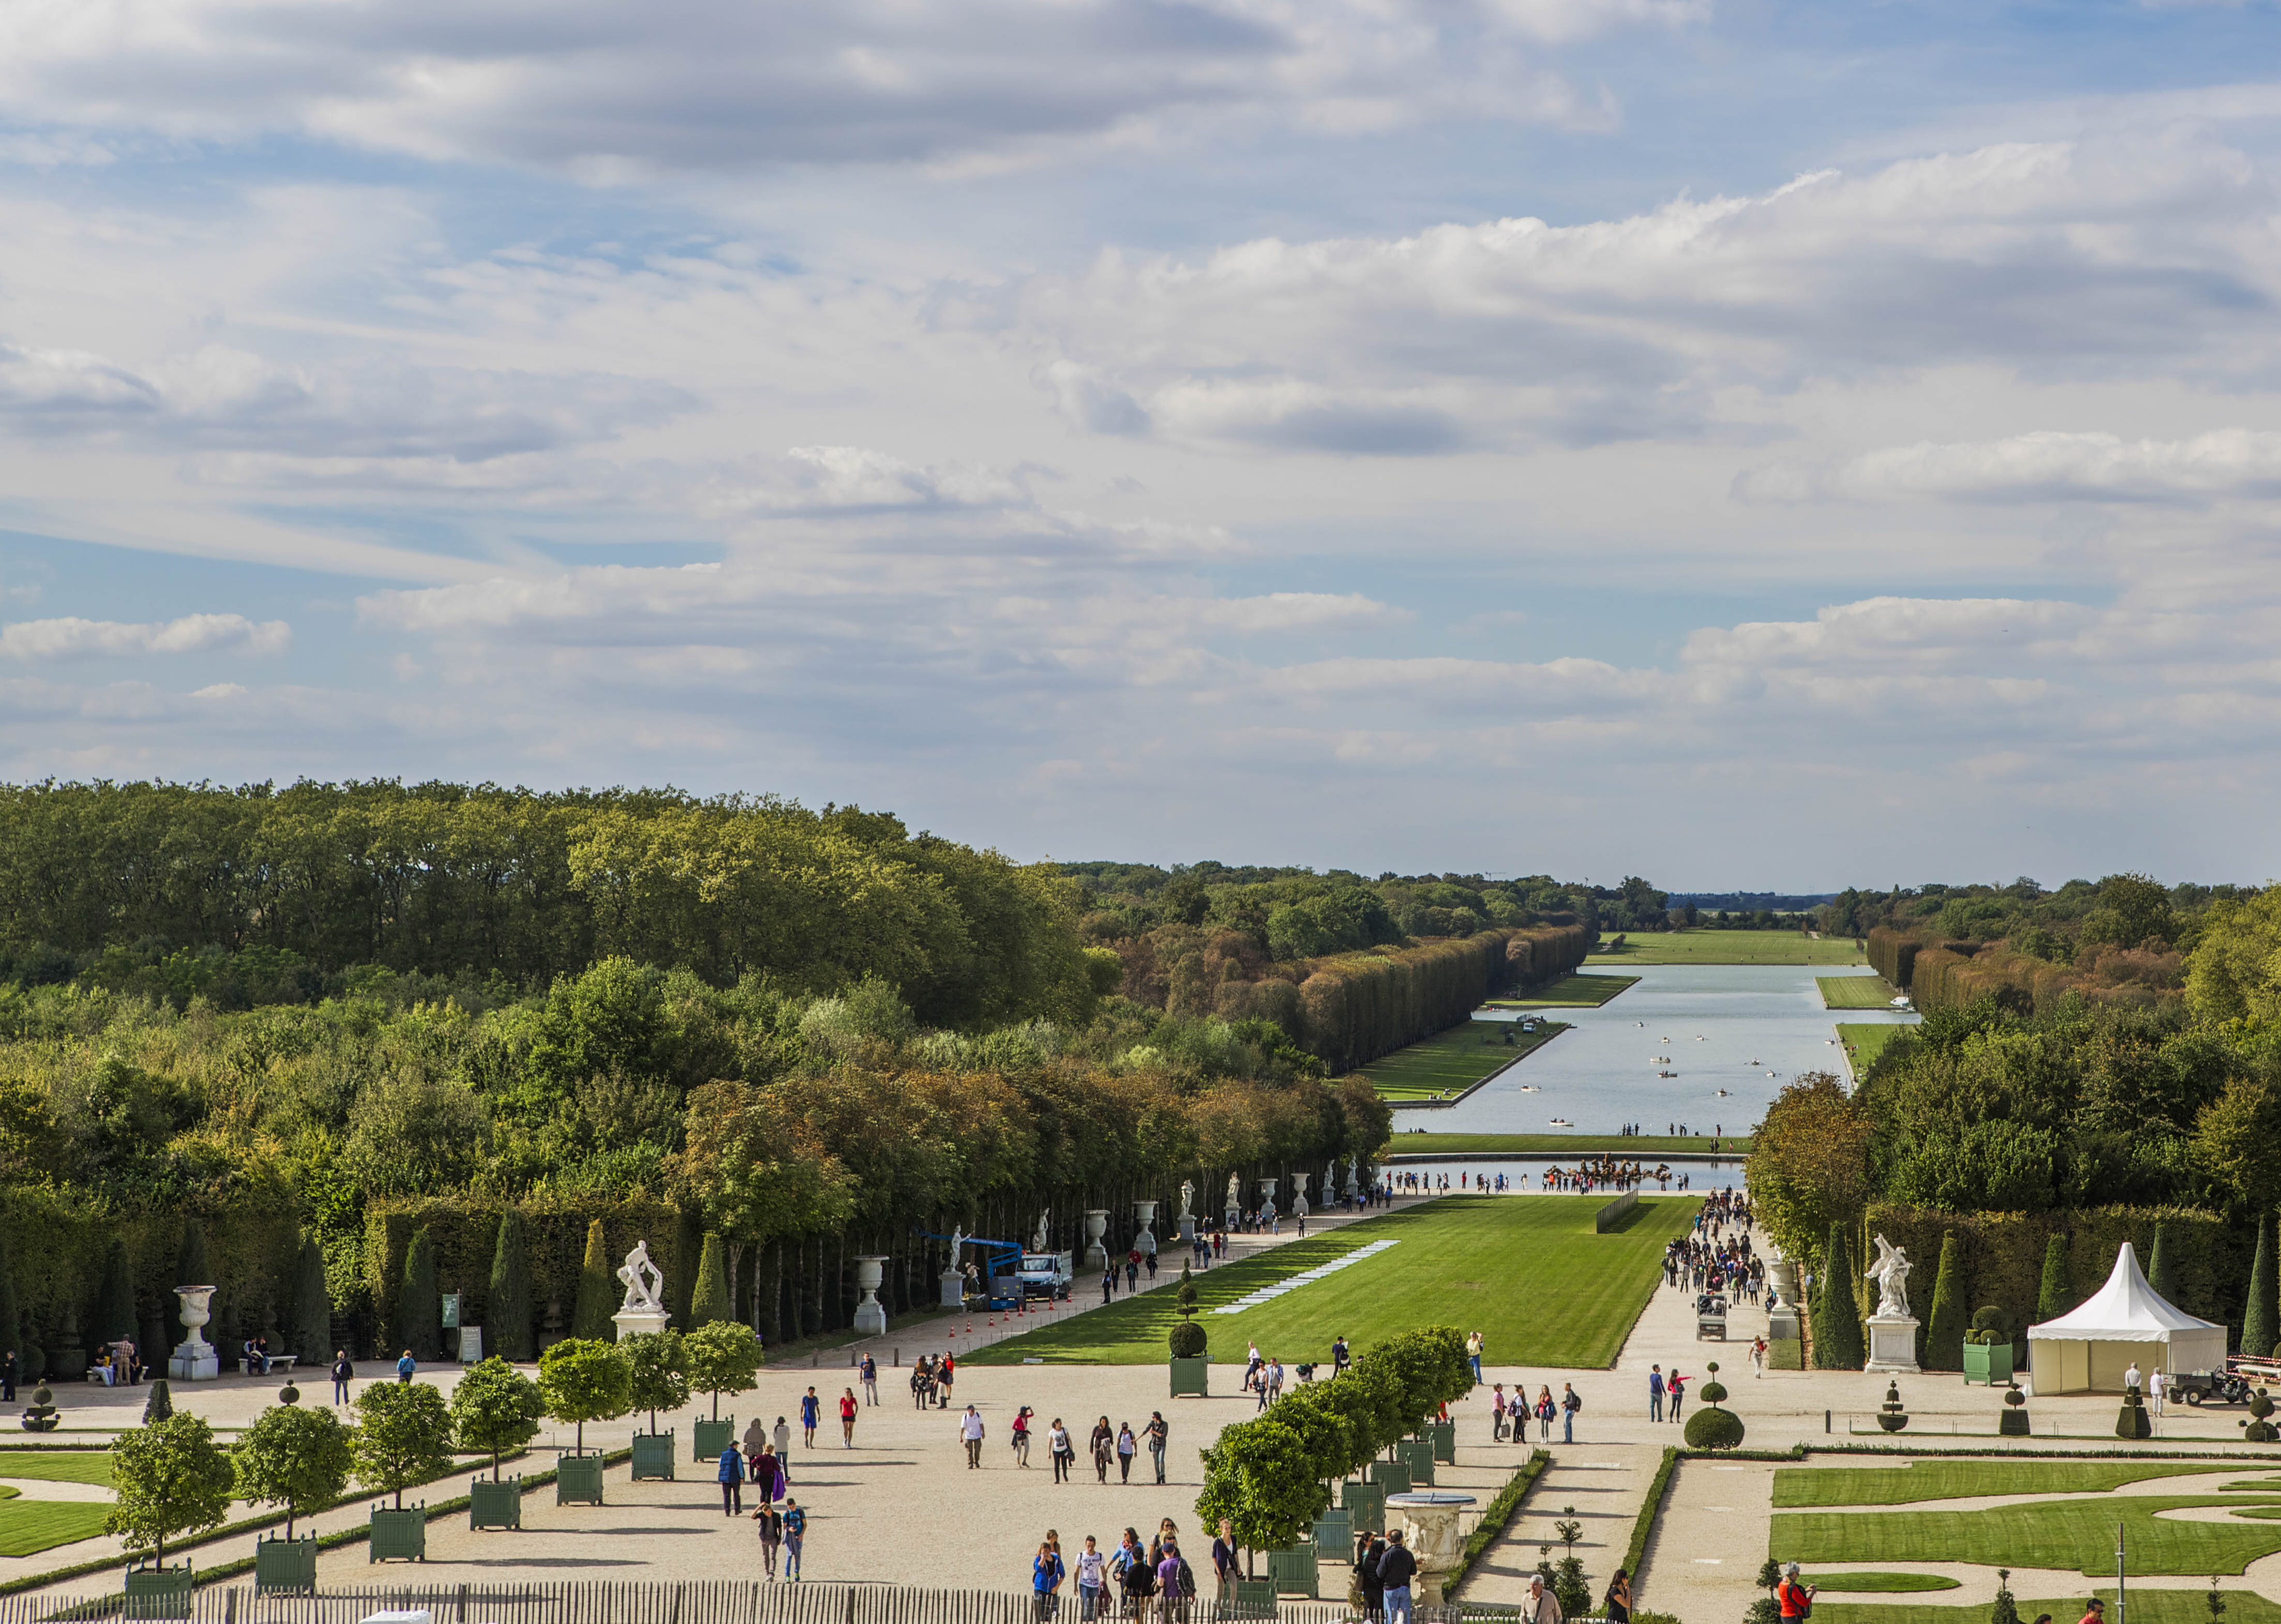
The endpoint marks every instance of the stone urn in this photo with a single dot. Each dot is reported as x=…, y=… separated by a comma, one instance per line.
x=1781, y=1280
x=1431, y=1520
x=1096, y=1225
x=1145, y=1243
x=871, y=1317
x=1267, y=1193
x=194, y=1357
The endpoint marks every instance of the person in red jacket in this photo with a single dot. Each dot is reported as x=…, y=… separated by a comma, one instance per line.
x=1796, y=1599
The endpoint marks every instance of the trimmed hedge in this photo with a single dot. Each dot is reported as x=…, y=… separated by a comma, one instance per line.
x=1359, y=1006
x=1650, y=1508
x=1496, y=1516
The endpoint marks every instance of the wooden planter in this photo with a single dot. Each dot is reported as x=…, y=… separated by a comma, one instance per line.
x=398, y=1536
x=495, y=1506
x=1392, y=1478
x=1443, y=1436
x=710, y=1438
x=1192, y=1378
x=1988, y=1361
x=158, y=1593
x=578, y=1480
x=1364, y=1505
x=1334, y=1532
x=1418, y=1454
x=654, y=1456
x=1292, y=1572
x=285, y=1567
x=1253, y=1599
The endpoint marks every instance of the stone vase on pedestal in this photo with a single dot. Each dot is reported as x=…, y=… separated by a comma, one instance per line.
x=1145, y=1243
x=871, y=1317
x=1892, y=1344
x=1430, y=1520
x=194, y=1357
x=1096, y=1225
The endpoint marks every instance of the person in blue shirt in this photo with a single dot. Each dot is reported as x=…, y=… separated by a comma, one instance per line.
x=795, y=1526
x=811, y=1411
x=1046, y=1576
x=732, y=1481
x=406, y=1367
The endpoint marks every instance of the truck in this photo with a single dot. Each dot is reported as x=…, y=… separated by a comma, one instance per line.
x=1047, y=1274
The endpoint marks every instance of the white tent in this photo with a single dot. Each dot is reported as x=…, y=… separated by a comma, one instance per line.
x=2124, y=1324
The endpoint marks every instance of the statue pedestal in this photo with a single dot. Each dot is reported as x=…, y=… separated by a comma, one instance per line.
x=1781, y=1324
x=1188, y=1229
x=639, y=1321
x=953, y=1289
x=871, y=1315
x=1893, y=1344
x=194, y=1362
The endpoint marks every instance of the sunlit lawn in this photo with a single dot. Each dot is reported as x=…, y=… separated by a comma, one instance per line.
x=1728, y=947
x=1453, y=1061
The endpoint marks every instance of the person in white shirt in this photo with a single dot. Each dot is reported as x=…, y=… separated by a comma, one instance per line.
x=2154, y=1386
x=969, y=1430
x=2130, y=1378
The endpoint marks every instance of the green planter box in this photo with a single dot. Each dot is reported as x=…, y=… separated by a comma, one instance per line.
x=578, y=1480
x=1988, y=1361
x=158, y=1593
x=712, y=1437
x=285, y=1567
x=1192, y=1378
x=654, y=1456
x=1443, y=1436
x=1418, y=1454
x=1333, y=1534
x=1252, y=1599
x=398, y=1536
x=1364, y=1505
x=1392, y=1478
x=1291, y=1573
x=495, y=1506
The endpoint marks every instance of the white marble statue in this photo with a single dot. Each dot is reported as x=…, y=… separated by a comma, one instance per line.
x=1187, y=1194
x=1234, y=1193
x=957, y=1241
x=643, y=1280
x=1891, y=1273
x=1045, y=1224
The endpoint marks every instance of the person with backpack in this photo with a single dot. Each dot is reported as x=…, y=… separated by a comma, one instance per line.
x=1571, y=1402
x=1091, y=1581
x=1127, y=1447
x=1795, y=1599
x=1546, y=1411
x=795, y=1526
x=869, y=1375
x=1159, y=1434
x=1173, y=1584
x=733, y=1480
x=1675, y=1385
x=770, y=1522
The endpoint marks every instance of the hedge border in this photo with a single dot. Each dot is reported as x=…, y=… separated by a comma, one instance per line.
x=1651, y=1508
x=1497, y=1516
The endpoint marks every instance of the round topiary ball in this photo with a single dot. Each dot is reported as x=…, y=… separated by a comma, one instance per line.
x=1188, y=1339
x=288, y=1394
x=1713, y=1429
x=42, y=1395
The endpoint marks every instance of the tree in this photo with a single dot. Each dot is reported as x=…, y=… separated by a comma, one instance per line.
x=2260, y=1313
x=1260, y=1477
x=2235, y=1137
x=657, y=1371
x=114, y=1299
x=419, y=1302
x=2006, y=1609
x=1836, y=1316
x=312, y=1306
x=598, y=1297
x=496, y=1408
x=2161, y=1267
x=171, y=1478
x=295, y=1457
x=509, y=1300
x=582, y=1381
x=1944, y=1329
x=2053, y=1296
x=710, y=1301
x=160, y=1404
x=1809, y=1166
x=722, y=1357
x=11, y=1314
x=404, y=1436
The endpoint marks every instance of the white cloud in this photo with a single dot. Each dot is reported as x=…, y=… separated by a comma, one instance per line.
x=70, y=637
x=2045, y=464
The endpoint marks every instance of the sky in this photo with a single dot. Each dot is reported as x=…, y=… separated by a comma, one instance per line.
x=1743, y=444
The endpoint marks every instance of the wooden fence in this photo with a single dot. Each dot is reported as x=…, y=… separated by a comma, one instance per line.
x=716, y=1601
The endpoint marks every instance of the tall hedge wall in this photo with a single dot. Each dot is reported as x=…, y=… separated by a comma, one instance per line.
x=2001, y=1255
x=1893, y=954
x=1362, y=1005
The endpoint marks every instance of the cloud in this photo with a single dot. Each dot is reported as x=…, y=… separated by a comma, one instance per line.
x=2043, y=466
x=70, y=637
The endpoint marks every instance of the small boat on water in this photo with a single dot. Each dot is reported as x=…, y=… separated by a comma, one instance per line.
x=1562, y=1122
x=1530, y=1089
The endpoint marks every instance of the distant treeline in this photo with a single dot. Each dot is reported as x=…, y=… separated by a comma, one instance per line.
x=1750, y=902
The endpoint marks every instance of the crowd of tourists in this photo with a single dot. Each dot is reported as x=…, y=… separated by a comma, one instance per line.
x=1715, y=1255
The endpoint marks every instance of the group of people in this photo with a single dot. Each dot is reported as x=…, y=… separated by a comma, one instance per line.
x=1509, y=1416
x=1709, y=1260
x=1136, y=1261
x=931, y=1376
x=1108, y=1444
x=761, y=1461
x=1134, y=1581
x=1593, y=1177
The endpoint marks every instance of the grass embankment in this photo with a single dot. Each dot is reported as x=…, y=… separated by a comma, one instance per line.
x=1890, y=1584
x=57, y=1466
x=1487, y=1262
x=2055, y=1533
x=1568, y=993
x=1636, y=1148
x=27, y=1526
x=1729, y=947
x=2147, y=1608
x=1854, y=992
x=1448, y=1063
x=1801, y=1486
x=1865, y=1041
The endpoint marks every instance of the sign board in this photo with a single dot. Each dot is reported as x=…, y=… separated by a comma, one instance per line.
x=451, y=1310
x=471, y=1344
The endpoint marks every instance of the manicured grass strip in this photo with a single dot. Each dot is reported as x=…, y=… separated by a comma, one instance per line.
x=1889, y=1582
x=1453, y=1061
x=1798, y=1488
x=29, y=1525
x=1854, y=992
x=1631, y=1149
x=1499, y=1515
x=1726, y=947
x=1865, y=1041
x=79, y=1466
x=1487, y=1262
x=2148, y=1607
x=1568, y=993
x=1650, y=1508
x=2060, y=1533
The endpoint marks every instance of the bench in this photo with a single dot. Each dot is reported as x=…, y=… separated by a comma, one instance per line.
x=280, y=1364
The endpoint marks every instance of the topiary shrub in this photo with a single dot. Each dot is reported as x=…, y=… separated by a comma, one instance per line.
x=2261, y=1430
x=1188, y=1339
x=1991, y=1325
x=1713, y=1429
x=1890, y=1415
x=2014, y=1422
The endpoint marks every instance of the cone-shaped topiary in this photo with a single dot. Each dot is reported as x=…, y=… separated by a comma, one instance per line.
x=2006, y=1611
x=1943, y=1331
x=508, y=1306
x=597, y=1298
x=2014, y=1422
x=312, y=1307
x=1836, y=1316
x=2052, y=1295
x=12, y=1316
x=2162, y=1265
x=2261, y=1312
x=114, y=1298
x=710, y=1301
x=419, y=1304
x=160, y=1404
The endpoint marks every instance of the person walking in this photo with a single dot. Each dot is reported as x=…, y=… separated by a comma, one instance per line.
x=1655, y=1392
x=343, y=1373
x=795, y=1528
x=1021, y=1433
x=946, y=1372
x=1127, y=1447
x=406, y=1366
x=811, y=1411
x=731, y=1474
x=1224, y=1568
x=969, y=1432
x=1173, y=1581
x=1136, y=1575
x=1540, y=1605
x=1160, y=1433
x=1758, y=1358
x=1473, y=1355
x=1571, y=1402
x=767, y=1475
x=1091, y=1581
x=869, y=1372
x=1616, y=1608
x=1395, y=1567
x=770, y=1527
x=1064, y=1452
x=847, y=1417
x=784, y=1444
x=1045, y=1575
x=1108, y=1285
x=1104, y=1439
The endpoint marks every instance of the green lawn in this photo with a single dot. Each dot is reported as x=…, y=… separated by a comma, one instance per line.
x=2148, y=1607
x=1854, y=992
x=57, y=1465
x=1800, y=1487
x=1888, y=1582
x=1568, y=993
x=29, y=1525
x=2061, y=1534
x=1729, y=947
x=1865, y=1041
x=1524, y=1271
x=1453, y=1061
x=1641, y=1149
